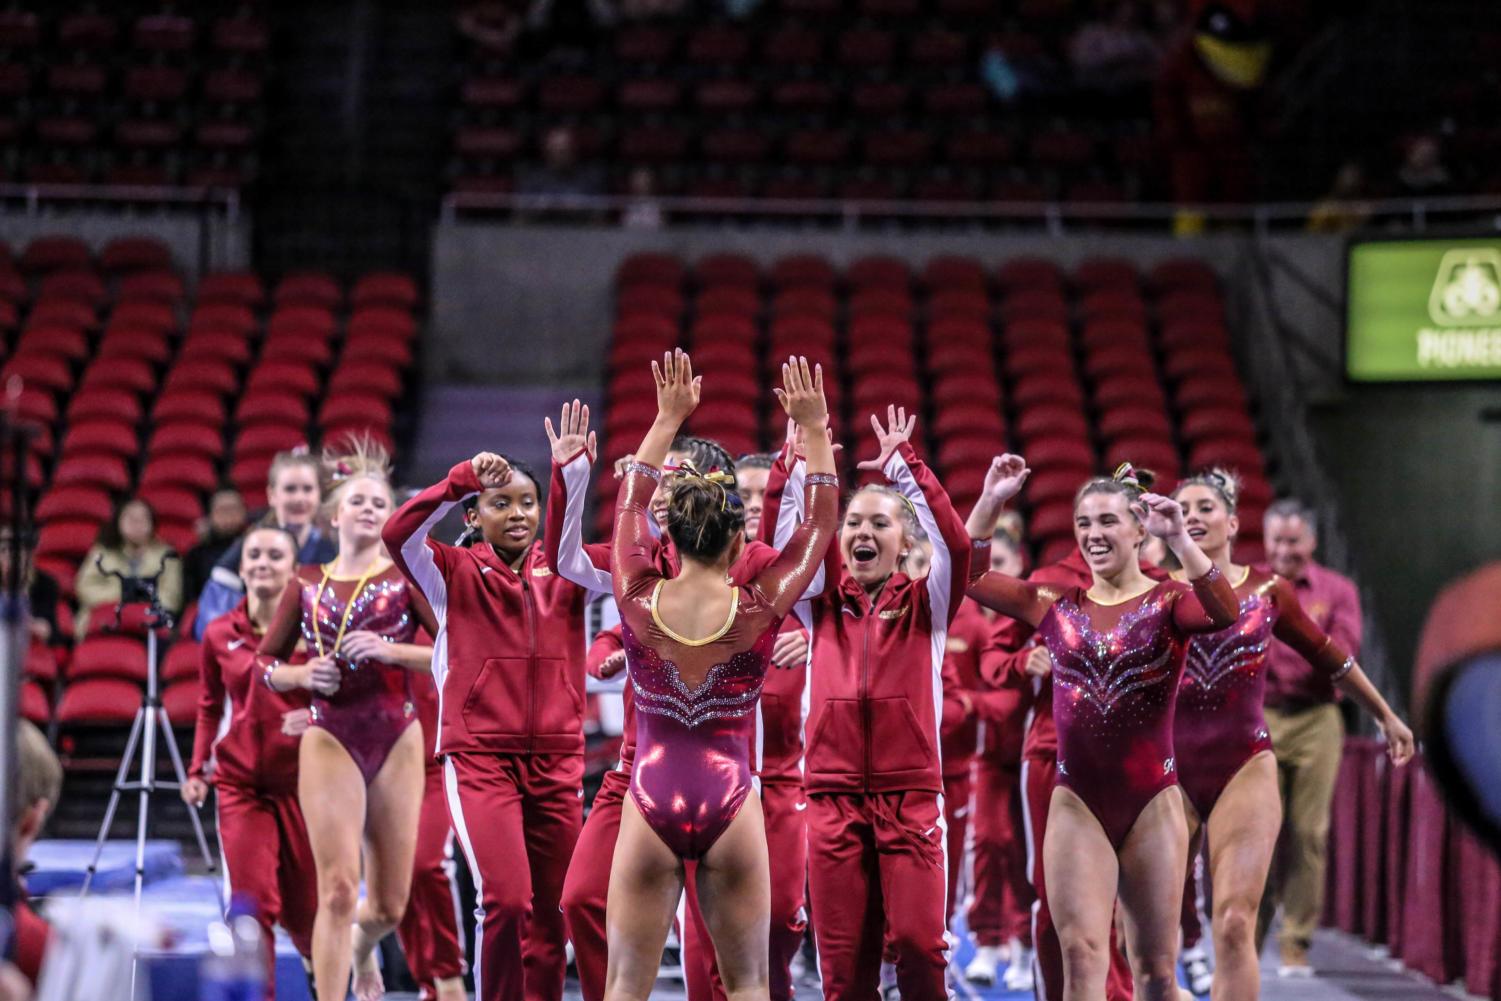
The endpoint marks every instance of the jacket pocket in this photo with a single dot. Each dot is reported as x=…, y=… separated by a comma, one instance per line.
x=497, y=702
x=837, y=745
x=560, y=706
x=902, y=745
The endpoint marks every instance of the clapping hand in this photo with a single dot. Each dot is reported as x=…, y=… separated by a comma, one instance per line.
x=572, y=434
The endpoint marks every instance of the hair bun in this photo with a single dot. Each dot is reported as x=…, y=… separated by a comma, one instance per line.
x=1129, y=475
x=1227, y=481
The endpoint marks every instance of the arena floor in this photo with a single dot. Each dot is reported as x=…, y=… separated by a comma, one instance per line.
x=1347, y=971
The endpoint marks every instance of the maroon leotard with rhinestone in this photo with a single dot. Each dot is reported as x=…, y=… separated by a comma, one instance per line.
x=1220, y=725
x=1115, y=681
x=373, y=705
x=696, y=699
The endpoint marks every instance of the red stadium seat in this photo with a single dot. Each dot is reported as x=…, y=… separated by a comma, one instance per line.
x=1155, y=454
x=1100, y=334
x=104, y=471
x=803, y=271
x=1097, y=273
x=135, y=253
x=1113, y=304
x=222, y=315
x=306, y=320
x=103, y=437
x=722, y=327
x=181, y=701
x=308, y=288
x=889, y=274
x=186, y=439
x=1190, y=307
x=103, y=655
x=283, y=376
x=355, y=409
x=48, y=372
x=76, y=286
x=104, y=404
x=1060, y=388
x=649, y=268
x=81, y=503
x=1060, y=483
x=133, y=375
x=1232, y=452
x=273, y=407
x=187, y=472
x=99, y=701
x=67, y=342
x=201, y=406
x=355, y=376
x=173, y=503
x=1039, y=361
x=68, y=540
x=805, y=301
x=948, y=357
x=736, y=300
x=727, y=269
x=1216, y=389
x=62, y=313
x=369, y=347
x=1119, y=361
x=38, y=406
x=236, y=288
x=1211, y=422
x=1030, y=274
x=974, y=418
x=1199, y=362
x=1128, y=389
x=384, y=288
x=146, y=344
x=53, y=253
x=1060, y=451
x=35, y=706
x=181, y=661
x=1134, y=419
x=1041, y=304
x=1181, y=273
x=649, y=301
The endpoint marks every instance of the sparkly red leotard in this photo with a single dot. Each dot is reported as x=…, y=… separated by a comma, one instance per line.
x=1219, y=724
x=373, y=705
x=696, y=699
x=1115, y=681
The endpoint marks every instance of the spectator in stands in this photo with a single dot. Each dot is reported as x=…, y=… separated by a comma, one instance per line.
x=293, y=490
x=1423, y=174
x=42, y=591
x=128, y=544
x=38, y=786
x=560, y=173
x=226, y=520
x=1308, y=733
x=644, y=211
x=1345, y=207
x=1115, y=51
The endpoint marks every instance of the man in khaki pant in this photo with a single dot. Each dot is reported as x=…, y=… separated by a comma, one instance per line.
x=1307, y=733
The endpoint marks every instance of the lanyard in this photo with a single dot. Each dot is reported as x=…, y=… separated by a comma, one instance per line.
x=348, y=607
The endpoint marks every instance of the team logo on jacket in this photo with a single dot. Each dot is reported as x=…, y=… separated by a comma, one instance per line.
x=955, y=645
x=893, y=613
x=541, y=572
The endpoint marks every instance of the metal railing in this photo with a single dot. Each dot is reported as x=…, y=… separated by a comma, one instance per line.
x=34, y=198
x=1054, y=217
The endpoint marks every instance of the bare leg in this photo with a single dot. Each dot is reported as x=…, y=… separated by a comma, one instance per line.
x=395, y=804
x=1081, y=872
x=1152, y=863
x=1243, y=833
x=646, y=880
x=734, y=891
x=332, y=793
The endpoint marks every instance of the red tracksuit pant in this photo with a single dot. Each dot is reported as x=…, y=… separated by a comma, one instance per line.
x=957, y=792
x=784, y=807
x=429, y=931
x=1038, y=778
x=1001, y=908
x=517, y=817
x=587, y=885
x=876, y=874
x=263, y=842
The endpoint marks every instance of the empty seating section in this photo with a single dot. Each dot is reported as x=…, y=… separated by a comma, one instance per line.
x=1077, y=372
x=135, y=93
x=862, y=100
x=139, y=386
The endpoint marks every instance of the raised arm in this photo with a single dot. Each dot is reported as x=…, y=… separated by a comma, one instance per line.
x=281, y=635
x=786, y=580
x=784, y=509
x=408, y=533
x=1022, y=600
x=1295, y=628
x=573, y=454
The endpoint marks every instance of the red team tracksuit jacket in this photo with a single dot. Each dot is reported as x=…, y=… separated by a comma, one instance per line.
x=508, y=659
x=876, y=841
x=1005, y=664
x=253, y=766
x=776, y=761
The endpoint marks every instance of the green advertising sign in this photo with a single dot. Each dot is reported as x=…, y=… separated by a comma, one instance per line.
x=1423, y=311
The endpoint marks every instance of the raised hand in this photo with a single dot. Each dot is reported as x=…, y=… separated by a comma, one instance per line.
x=798, y=441
x=1161, y=516
x=677, y=387
x=898, y=429
x=572, y=434
x=1005, y=477
x=801, y=394
x=492, y=470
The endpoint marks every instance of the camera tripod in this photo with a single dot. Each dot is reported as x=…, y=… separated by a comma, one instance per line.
x=150, y=718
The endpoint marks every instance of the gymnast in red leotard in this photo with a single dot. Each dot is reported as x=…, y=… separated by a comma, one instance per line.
x=360, y=763
x=697, y=649
x=1225, y=763
x=1115, y=825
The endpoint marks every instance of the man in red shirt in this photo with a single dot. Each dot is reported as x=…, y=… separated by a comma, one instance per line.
x=1308, y=734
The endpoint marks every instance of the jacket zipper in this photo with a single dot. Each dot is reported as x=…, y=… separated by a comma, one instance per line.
x=531, y=662
x=865, y=689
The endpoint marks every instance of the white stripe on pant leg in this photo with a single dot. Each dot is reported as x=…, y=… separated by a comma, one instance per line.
x=1039, y=984
x=223, y=855
x=451, y=872
x=456, y=814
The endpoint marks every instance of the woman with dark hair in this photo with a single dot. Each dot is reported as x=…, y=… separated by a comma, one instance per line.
x=250, y=759
x=509, y=666
x=128, y=544
x=1116, y=824
x=360, y=762
x=1224, y=750
x=697, y=649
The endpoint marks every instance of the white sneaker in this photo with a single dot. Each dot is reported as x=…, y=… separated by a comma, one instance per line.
x=983, y=968
x=1295, y=971
x=1019, y=973
x=1197, y=971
